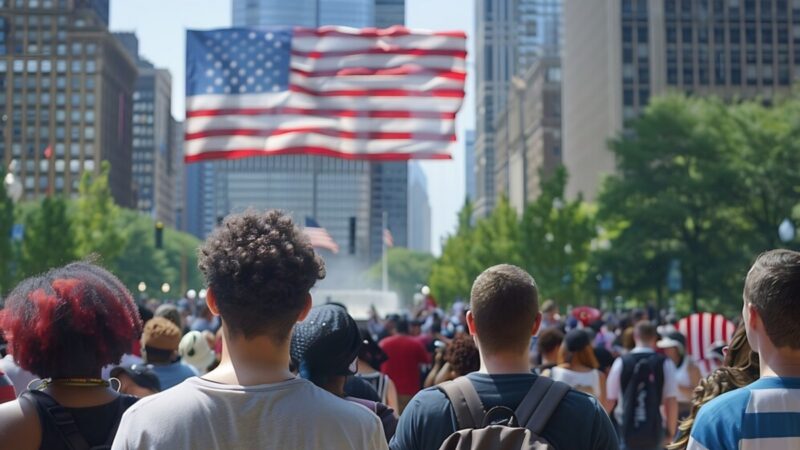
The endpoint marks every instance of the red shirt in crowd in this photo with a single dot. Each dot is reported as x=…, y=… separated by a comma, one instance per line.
x=7, y=393
x=405, y=354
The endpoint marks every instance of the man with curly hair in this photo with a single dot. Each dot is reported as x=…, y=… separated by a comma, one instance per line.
x=259, y=268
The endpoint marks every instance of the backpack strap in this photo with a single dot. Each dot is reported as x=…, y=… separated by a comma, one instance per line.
x=466, y=402
x=540, y=403
x=61, y=418
x=123, y=403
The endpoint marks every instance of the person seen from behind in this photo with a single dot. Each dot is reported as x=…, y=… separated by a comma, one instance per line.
x=137, y=380
x=763, y=414
x=160, y=341
x=370, y=358
x=640, y=384
x=196, y=351
x=548, y=346
x=578, y=367
x=739, y=369
x=504, y=315
x=405, y=356
x=687, y=374
x=260, y=269
x=325, y=347
x=459, y=358
x=64, y=326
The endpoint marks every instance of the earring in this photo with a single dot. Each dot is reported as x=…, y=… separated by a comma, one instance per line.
x=113, y=380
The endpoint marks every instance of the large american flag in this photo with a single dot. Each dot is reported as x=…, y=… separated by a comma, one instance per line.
x=371, y=94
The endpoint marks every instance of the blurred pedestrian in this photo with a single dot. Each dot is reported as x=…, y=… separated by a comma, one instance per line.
x=687, y=374
x=405, y=356
x=64, y=326
x=578, y=367
x=137, y=380
x=260, y=269
x=370, y=358
x=325, y=348
x=160, y=341
x=548, y=346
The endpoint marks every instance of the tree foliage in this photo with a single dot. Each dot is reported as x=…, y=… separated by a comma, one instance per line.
x=98, y=226
x=6, y=249
x=408, y=271
x=49, y=239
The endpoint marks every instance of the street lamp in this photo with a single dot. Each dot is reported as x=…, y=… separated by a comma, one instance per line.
x=142, y=287
x=786, y=231
x=165, y=288
x=202, y=293
x=191, y=294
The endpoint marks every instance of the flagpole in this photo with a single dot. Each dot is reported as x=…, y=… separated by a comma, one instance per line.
x=385, y=257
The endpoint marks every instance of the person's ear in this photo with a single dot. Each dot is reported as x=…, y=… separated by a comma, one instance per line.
x=536, y=324
x=753, y=318
x=306, y=308
x=211, y=302
x=471, y=323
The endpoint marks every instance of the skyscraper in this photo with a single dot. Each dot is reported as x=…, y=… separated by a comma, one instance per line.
x=419, y=210
x=389, y=13
x=510, y=36
x=303, y=13
x=65, y=101
x=153, y=155
x=469, y=164
x=178, y=175
x=620, y=54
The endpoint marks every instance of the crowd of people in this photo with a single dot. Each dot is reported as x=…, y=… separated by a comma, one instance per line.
x=257, y=366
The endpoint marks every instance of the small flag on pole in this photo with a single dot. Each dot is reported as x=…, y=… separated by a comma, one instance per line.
x=319, y=237
x=388, y=239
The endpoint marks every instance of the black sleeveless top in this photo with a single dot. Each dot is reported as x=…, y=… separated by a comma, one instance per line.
x=95, y=423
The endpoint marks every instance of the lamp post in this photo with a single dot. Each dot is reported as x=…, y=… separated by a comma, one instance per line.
x=165, y=288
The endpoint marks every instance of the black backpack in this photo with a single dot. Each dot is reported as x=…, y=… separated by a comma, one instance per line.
x=68, y=430
x=642, y=384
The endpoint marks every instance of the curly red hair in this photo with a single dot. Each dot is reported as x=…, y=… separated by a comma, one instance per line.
x=70, y=322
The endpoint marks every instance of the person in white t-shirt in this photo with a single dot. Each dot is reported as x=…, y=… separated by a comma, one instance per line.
x=259, y=268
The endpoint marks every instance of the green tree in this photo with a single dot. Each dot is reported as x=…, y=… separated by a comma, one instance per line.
x=453, y=272
x=6, y=225
x=49, y=239
x=556, y=239
x=673, y=193
x=408, y=269
x=97, y=219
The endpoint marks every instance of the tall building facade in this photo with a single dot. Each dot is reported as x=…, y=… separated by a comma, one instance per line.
x=510, y=36
x=469, y=164
x=389, y=13
x=303, y=13
x=65, y=97
x=179, y=176
x=153, y=155
x=620, y=54
x=528, y=138
x=419, y=210
x=346, y=190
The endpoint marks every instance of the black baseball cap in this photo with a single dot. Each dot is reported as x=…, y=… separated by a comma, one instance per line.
x=141, y=374
x=327, y=342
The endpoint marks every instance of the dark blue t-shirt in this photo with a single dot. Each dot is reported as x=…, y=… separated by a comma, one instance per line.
x=579, y=422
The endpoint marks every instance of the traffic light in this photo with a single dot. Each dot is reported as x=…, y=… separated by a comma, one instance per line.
x=159, y=235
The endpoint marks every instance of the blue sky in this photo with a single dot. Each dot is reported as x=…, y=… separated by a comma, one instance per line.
x=161, y=24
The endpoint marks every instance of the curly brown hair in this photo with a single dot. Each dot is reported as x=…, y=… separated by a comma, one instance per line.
x=741, y=368
x=260, y=268
x=463, y=356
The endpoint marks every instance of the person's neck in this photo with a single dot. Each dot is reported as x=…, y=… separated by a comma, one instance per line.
x=781, y=362
x=251, y=362
x=364, y=367
x=550, y=358
x=650, y=345
x=505, y=363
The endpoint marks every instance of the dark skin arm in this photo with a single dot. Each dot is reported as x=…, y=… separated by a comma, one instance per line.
x=19, y=426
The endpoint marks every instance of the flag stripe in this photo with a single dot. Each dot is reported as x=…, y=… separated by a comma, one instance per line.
x=356, y=135
x=329, y=44
x=362, y=114
x=379, y=62
x=208, y=155
x=337, y=31
x=392, y=71
x=424, y=83
x=296, y=140
x=454, y=53
x=342, y=100
x=414, y=127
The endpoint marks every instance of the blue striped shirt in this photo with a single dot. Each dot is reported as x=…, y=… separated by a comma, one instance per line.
x=763, y=415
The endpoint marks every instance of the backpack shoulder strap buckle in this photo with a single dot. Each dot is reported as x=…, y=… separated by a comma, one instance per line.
x=466, y=402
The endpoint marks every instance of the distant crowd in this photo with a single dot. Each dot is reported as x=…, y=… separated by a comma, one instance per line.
x=256, y=366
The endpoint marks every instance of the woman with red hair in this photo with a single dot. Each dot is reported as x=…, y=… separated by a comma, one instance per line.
x=64, y=326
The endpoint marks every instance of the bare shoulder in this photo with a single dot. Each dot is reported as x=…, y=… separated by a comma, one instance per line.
x=19, y=425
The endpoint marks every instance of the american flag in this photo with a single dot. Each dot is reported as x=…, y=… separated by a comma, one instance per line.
x=388, y=239
x=701, y=331
x=372, y=94
x=319, y=237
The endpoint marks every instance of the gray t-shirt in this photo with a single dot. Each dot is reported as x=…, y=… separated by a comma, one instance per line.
x=294, y=414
